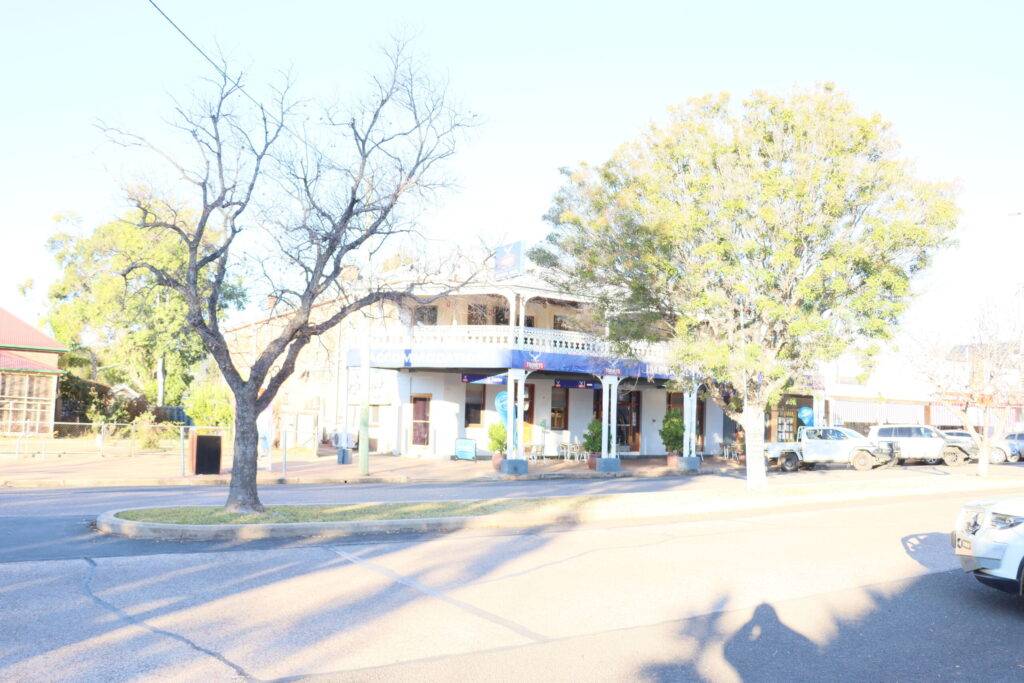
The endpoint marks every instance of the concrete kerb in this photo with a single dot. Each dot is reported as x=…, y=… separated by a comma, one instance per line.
x=626, y=508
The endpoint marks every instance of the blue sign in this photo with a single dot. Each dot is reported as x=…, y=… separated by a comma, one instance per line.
x=576, y=384
x=465, y=449
x=484, y=379
x=508, y=259
x=501, y=406
x=806, y=415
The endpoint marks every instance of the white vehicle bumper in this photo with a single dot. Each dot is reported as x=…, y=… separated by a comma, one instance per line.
x=993, y=561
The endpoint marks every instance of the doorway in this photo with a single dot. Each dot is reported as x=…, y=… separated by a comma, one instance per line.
x=627, y=431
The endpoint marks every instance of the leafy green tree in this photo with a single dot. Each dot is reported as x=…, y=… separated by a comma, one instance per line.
x=118, y=325
x=759, y=238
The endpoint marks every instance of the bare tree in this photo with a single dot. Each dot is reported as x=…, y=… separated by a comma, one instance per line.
x=300, y=202
x=982, y=377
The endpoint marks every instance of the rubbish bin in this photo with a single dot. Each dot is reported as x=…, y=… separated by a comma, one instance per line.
x=344, y=456
x=204, y=454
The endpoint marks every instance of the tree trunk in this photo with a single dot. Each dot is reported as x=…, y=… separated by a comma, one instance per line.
x=752, y=420
x=242, y=495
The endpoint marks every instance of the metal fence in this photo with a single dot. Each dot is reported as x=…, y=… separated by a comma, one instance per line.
x=108, y=440
x=163, y=445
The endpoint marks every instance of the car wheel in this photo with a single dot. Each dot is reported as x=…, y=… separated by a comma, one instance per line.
x=862, y=461
x=1012, y=457
x=790, y=462
x=953, y=457
x=997, y=456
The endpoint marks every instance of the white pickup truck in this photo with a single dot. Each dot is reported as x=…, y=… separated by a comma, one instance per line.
x=826, y=444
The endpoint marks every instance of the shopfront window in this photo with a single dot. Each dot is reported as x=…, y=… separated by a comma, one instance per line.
x=559, y=408
x=474, y=404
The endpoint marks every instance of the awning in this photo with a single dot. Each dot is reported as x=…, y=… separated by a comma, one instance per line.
x=872, y=412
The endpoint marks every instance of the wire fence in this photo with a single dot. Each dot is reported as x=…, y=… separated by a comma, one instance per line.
x=108, y=440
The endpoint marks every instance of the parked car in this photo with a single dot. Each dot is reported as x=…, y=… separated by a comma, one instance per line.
x=826, y=444
x=1016, y=443
x=989, y=542
x=919, y=442
x=1001, y=449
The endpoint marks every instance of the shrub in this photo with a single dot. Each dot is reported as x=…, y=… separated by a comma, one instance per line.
x=209, y=404
x=148, y=435
x=672, y=431
x=592, y=437
x=497, y=437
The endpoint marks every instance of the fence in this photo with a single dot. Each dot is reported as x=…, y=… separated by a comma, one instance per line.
x=161, y=447
x=106, y=440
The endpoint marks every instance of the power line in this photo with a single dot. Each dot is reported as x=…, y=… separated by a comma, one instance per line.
x=217, y=66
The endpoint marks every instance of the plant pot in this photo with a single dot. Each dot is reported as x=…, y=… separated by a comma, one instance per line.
x=673, y=460
x=496, y=460
x=592, y=460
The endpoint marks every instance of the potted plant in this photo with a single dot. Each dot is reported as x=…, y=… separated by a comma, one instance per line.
x=673, y=433
x=497, y=437
x=592, y=443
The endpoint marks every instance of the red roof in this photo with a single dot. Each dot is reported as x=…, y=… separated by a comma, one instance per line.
x=12, y=361
x=16, y=333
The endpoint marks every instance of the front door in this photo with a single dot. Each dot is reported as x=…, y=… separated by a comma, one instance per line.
x=627, y=432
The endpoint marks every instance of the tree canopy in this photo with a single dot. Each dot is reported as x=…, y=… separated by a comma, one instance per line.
x=118, y=323
x=761, y=238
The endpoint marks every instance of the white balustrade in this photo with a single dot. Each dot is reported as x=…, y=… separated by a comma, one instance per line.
x=501, y=336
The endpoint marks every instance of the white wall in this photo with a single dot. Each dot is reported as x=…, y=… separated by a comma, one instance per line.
x=581, y=412
x=652, y=413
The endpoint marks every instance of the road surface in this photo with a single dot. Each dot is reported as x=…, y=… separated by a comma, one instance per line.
x=854, y=590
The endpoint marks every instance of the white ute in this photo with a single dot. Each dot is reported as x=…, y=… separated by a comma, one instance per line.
x=824, y=444
x=989, y=542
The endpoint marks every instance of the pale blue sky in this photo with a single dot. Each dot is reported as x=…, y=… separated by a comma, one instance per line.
x=555, y=83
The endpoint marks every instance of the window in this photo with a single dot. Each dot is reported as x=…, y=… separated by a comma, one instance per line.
x=420, y=420
x=477, y=314
x=26, y=402
x=904, y=432
x=530, y=321
x=561, y=322
x=474, y=404
x=426, y=315
x=674, y=401
x=501, y=315
x=559, y=408
x=886, y=432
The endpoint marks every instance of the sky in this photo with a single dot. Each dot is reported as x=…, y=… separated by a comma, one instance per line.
x=553, y=84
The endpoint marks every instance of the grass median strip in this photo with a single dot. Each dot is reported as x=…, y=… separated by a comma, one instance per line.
x=294, y=514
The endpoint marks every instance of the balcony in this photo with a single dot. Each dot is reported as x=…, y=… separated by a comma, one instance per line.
x=499, y=346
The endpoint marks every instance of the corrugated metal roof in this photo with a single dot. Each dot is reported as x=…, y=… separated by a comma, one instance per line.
x=16, y=333
x=12, y=361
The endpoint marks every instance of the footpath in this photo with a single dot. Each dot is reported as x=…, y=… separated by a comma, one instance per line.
x=165, y=470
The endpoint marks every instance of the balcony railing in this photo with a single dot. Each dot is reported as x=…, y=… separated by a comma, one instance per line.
x=501, y=336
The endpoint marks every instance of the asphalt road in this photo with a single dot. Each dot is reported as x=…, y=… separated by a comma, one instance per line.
x=848, y=591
